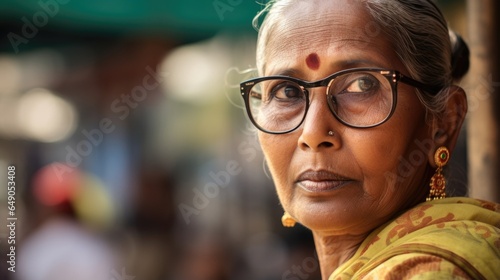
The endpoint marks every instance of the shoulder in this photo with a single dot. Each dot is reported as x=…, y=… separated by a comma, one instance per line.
x=417, y=266
x=456, y=235
x=444, y=218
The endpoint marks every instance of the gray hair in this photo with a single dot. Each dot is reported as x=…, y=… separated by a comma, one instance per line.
x=431, y=52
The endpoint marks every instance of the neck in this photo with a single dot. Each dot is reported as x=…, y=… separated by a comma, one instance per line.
x=333, y=251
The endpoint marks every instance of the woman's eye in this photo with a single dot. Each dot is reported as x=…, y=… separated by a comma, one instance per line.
x=362, y=84
x=287, y=91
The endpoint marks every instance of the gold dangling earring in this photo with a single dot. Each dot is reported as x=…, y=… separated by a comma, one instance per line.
x=287, y=220
x=438, y=182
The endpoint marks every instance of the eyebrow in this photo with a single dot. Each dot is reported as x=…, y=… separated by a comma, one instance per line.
x=354, y=63
x=336, y=66
x=290, y=72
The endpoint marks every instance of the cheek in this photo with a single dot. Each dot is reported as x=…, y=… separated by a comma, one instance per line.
x=278, y=151
x=376, y=159
x=394, y=162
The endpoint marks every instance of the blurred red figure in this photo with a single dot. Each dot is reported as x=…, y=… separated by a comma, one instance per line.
x=62, y=246
x=56, y=184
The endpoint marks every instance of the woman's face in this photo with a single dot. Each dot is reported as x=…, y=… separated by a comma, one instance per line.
x=357, y=179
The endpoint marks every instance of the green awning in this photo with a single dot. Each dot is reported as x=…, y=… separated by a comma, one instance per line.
x=185, y=20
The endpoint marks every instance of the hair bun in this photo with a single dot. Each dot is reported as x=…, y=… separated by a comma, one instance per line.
x=459, y=56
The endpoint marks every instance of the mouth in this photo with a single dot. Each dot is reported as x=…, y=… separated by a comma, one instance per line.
x=321, y=181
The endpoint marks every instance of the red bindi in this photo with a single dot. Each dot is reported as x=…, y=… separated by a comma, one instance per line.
x=312, y=61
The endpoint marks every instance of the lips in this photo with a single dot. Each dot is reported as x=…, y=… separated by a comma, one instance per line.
x=321, y=181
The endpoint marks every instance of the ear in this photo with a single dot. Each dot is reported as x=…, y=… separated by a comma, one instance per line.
x=446, y=127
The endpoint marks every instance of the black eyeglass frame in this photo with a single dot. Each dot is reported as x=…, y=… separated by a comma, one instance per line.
x=393, y=76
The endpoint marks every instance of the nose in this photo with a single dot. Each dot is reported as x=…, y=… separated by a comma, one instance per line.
x=318, y=123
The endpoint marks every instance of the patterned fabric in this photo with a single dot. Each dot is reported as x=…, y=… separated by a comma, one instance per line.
x=452, y=238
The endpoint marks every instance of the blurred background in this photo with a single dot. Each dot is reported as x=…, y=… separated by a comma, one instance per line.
x=133, y=156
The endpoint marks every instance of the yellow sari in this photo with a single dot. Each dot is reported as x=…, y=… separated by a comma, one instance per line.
x=452, y=238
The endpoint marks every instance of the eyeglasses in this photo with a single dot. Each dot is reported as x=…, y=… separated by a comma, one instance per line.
x=359, y=97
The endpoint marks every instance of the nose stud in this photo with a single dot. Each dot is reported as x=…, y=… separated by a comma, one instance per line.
x=330, y=133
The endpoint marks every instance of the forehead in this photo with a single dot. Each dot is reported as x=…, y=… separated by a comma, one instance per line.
x=336, y=30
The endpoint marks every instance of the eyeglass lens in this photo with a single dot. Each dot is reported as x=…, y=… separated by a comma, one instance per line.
x=358, y=99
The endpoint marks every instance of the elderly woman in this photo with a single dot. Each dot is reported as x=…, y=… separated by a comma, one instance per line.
x=357, y=116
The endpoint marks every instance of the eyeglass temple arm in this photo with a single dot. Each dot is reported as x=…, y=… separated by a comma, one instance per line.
x=419, y=85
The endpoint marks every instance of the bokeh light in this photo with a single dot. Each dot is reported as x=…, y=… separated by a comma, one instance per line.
x=44, y=117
